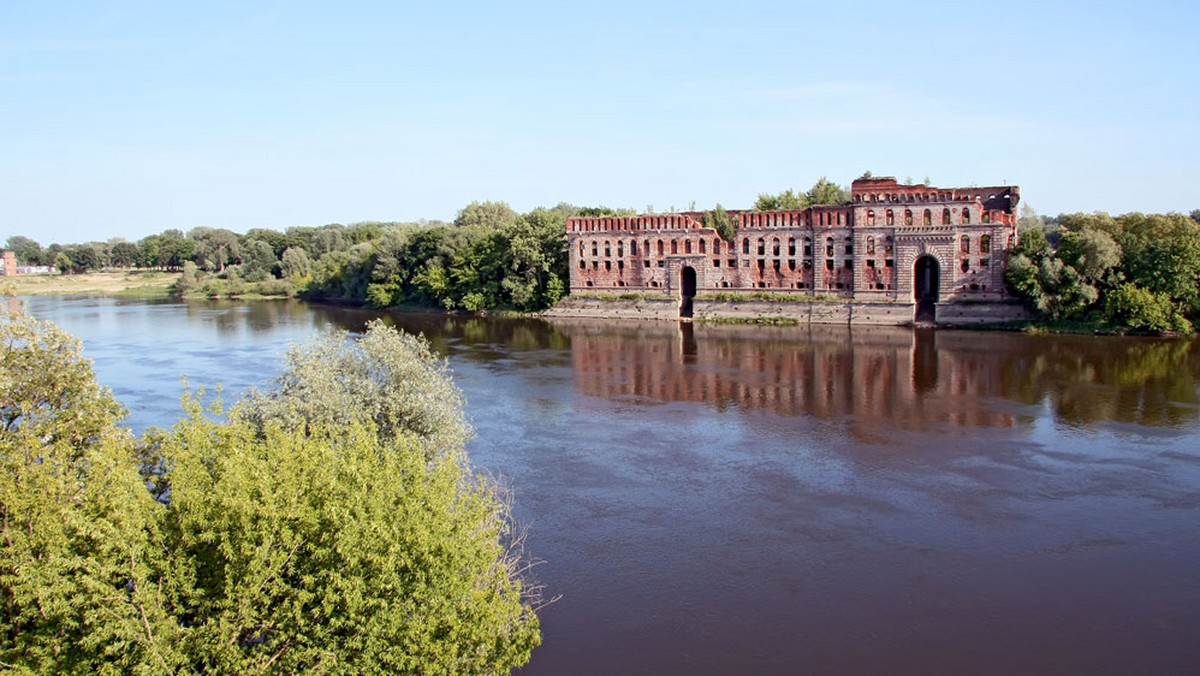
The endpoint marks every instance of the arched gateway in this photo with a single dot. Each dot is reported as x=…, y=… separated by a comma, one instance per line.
x=688, y=288
x=926, y=278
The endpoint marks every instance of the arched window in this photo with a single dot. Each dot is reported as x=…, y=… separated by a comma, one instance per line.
x=987, y=218
x=807, y=246
x=607, y=249
x=716, y=246
x=775, y=247
x=581, y=248
x=746, y=245
x=674, y=246
x=928, y=217
x=966, y=215
x=594, y=249
x=870, y=217
x=849, y=246
x=908, y=218
x=702, y=245
x=829, y=246
x=620, y=248
x=633, y=247
x=966, y=244
x=985, y=244
x=945, y=217
x=890, y=218
x=870, y=246
x=791, y=246
x=762, y=246
x=687, y=246
x=660, y=247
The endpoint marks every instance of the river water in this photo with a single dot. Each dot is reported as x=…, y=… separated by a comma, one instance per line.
x=778, y=500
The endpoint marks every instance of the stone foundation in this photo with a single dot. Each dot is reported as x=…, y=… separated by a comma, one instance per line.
x=972, y=314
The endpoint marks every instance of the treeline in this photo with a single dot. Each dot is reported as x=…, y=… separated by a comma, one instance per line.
x=490, y=257
x=1140, y=271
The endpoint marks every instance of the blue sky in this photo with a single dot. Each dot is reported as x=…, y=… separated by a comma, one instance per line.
x=123, y=118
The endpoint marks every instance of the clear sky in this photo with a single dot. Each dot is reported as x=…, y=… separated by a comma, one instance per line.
x=122, y=118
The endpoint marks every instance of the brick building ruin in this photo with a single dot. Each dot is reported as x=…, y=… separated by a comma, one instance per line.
x=893, y=243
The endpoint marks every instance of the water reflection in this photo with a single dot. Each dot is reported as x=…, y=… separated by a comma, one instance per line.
x=882, y=378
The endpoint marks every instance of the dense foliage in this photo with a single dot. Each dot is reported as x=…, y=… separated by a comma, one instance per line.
x=1135, y=270
x=490, y=257
x=330, y=524
x=823, y=191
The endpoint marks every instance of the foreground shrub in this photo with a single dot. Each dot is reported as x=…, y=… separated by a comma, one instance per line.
x=340, y=535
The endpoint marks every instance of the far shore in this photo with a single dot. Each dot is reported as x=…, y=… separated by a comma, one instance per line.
x=140, y=283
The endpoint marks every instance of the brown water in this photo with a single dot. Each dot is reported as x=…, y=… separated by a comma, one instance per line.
x=716, y=499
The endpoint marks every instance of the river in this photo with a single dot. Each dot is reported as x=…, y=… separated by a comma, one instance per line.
x=717, y=499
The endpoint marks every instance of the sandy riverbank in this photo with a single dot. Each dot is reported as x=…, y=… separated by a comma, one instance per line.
x=132, y=283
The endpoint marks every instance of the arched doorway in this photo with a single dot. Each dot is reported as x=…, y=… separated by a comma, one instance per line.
x=926, y=278
x=688, y=287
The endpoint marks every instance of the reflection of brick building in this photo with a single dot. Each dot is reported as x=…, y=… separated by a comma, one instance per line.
x=893, y=242
x=877, y=379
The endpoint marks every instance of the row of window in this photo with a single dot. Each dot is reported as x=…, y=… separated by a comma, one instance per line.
x=985, y=246
x=916, y=197
x=926, y=217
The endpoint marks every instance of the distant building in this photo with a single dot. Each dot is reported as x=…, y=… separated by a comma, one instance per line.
x=894, y=242
x=8, y=264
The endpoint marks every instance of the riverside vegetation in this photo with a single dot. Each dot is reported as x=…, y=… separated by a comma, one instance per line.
x=331, y=523
x=1134, y=271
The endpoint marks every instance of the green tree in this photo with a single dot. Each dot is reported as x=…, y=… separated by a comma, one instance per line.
x=720, y=220
x=1093, y=253
x=76, y=584
x=123, y=254
x=784, y=201
x=1045, y=282
x=26, y=250
x=295, y=263
x=83, y=257
x=331, y=524
x=258, y=261
x=825, y=191
x=537, y=259
x=214, y=248
x=488, y=215
x=1145, y=310
x=63, y=262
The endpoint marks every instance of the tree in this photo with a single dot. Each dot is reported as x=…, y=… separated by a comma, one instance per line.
x=784, y=201
x=214, y=248
x=718, y=219
x=26, y=250
x=1094, y=253
x=295, y=263
x=258, y=261
x=330, y=524
x=537, y=259
x=1145, y=310
x=489, y=215
x=75, y=576
x=123, y=254
x=83, y=257
x=825, y=191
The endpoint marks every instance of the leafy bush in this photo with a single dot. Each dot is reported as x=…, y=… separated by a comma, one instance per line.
x=1145, y=310
x=330, y=524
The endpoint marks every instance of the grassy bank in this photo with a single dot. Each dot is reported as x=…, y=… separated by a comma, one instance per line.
x=134, y=283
